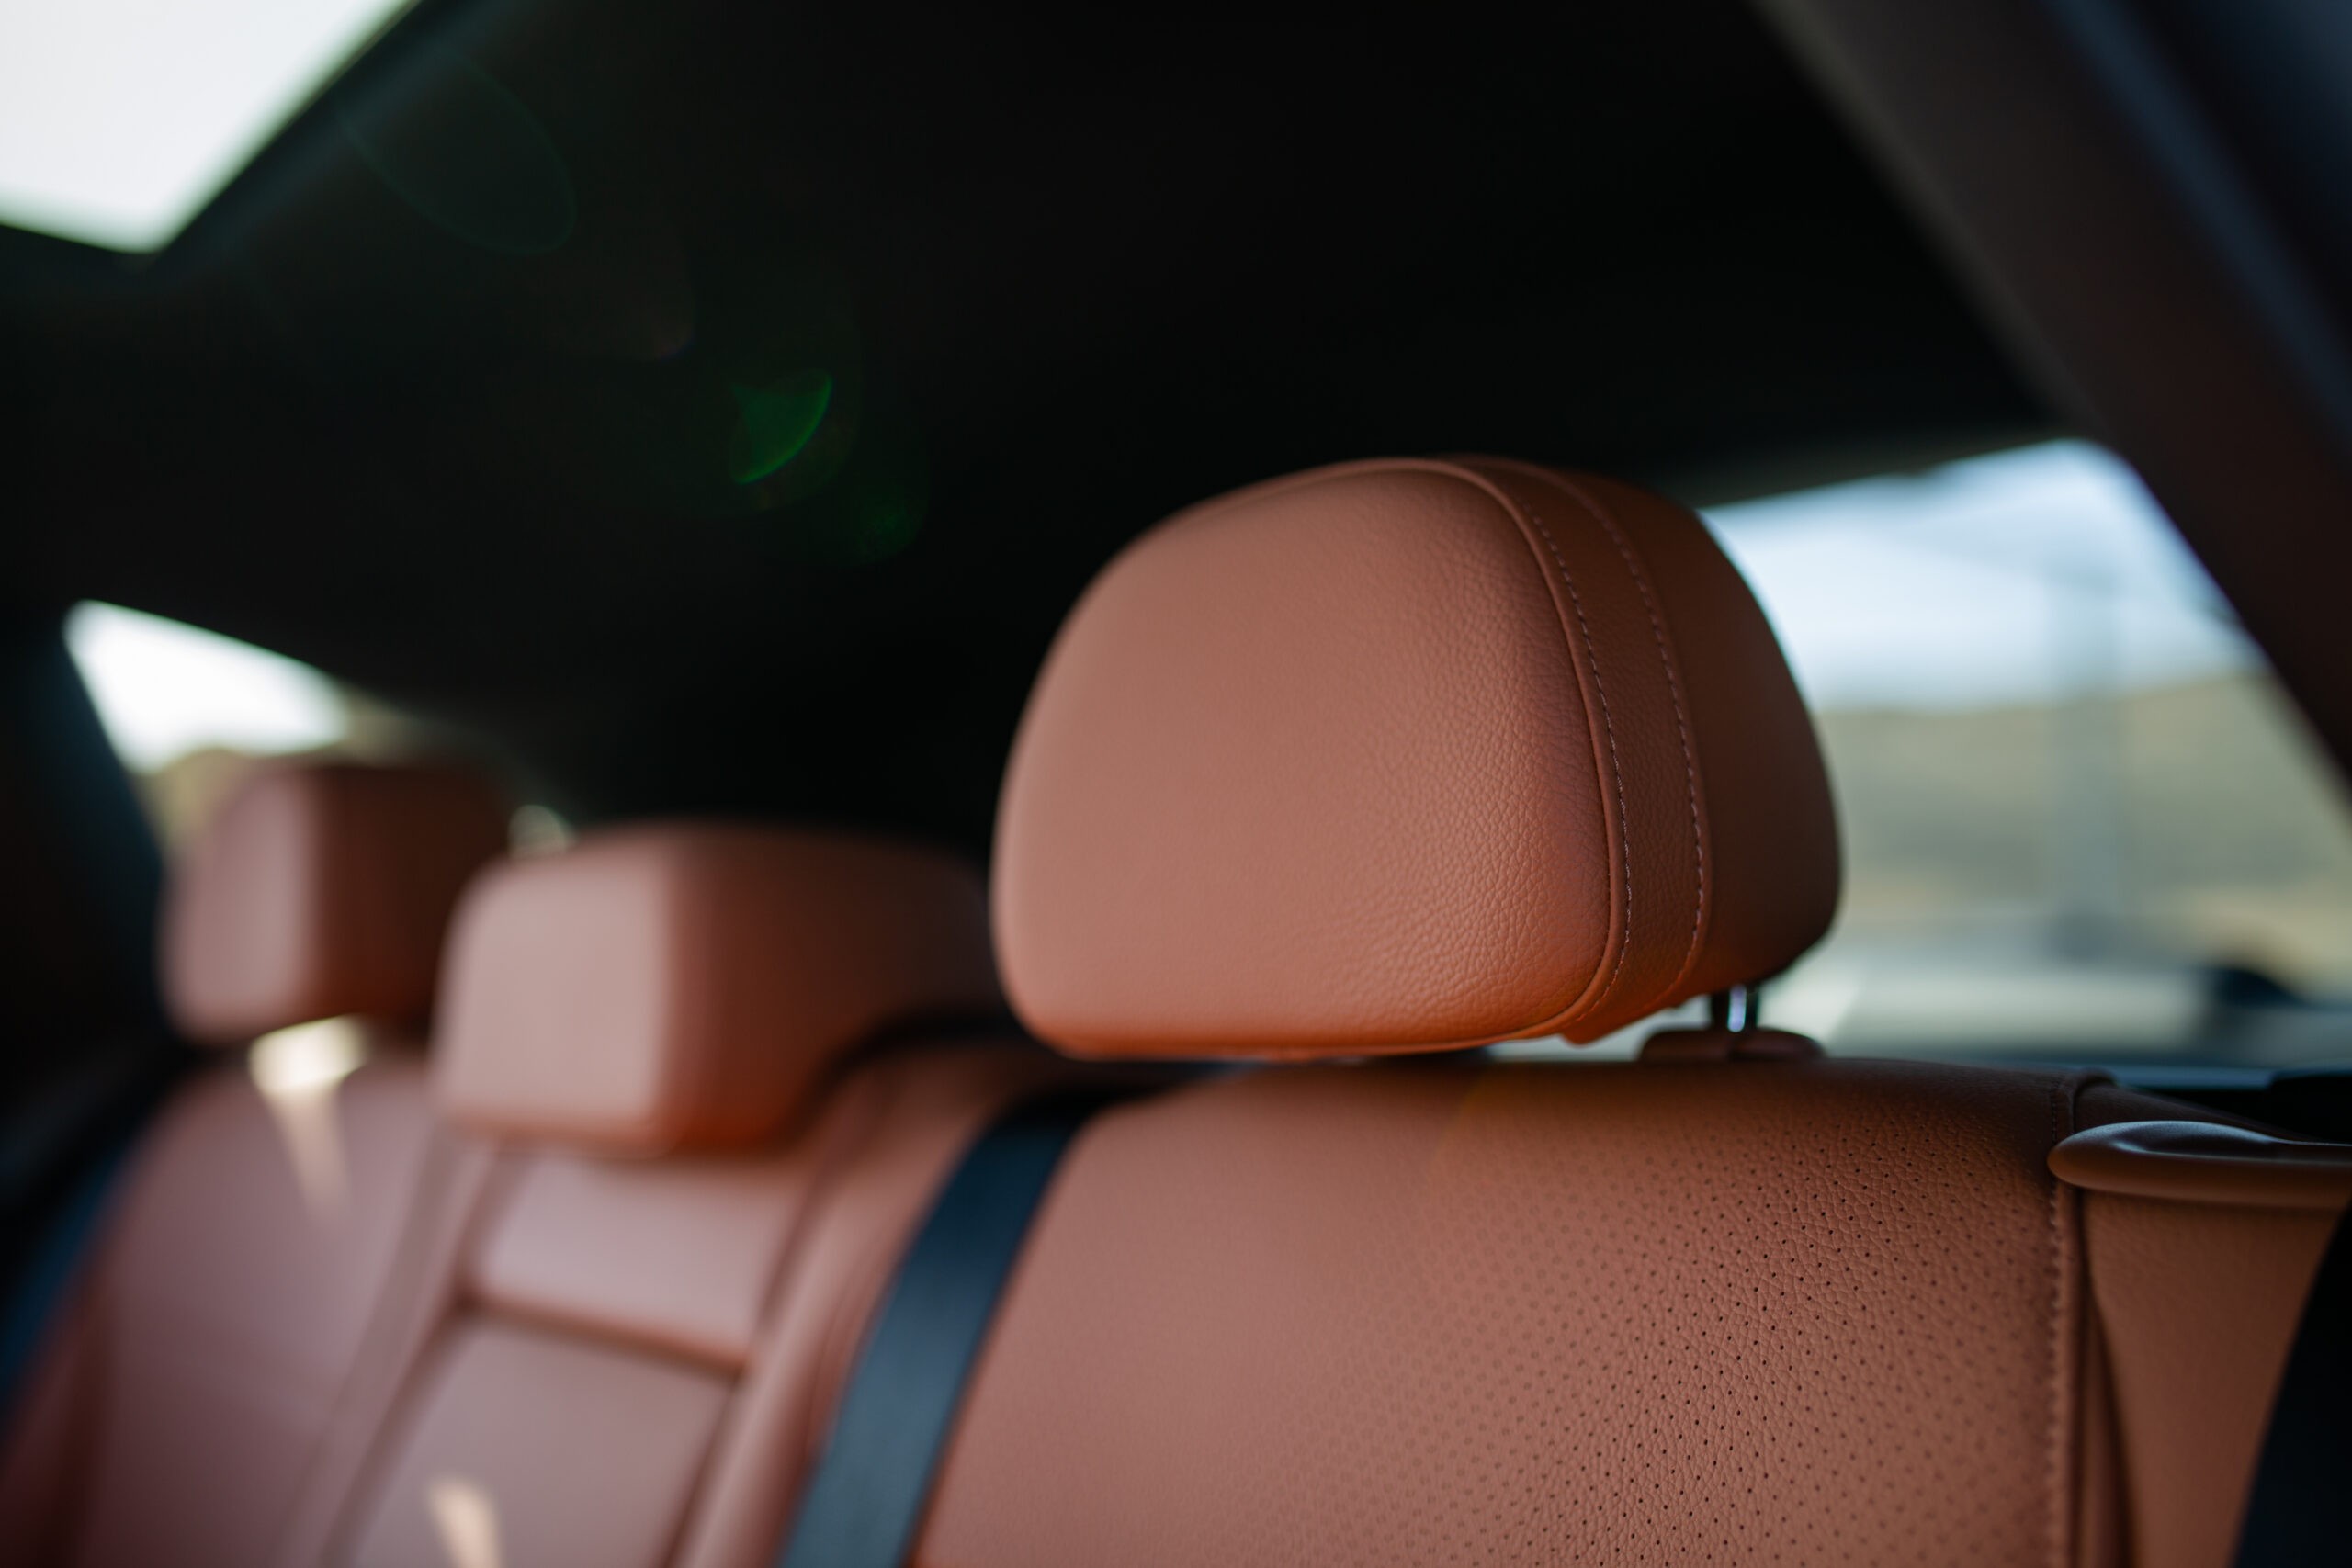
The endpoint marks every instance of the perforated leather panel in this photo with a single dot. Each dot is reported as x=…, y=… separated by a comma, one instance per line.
x=1802, y=1312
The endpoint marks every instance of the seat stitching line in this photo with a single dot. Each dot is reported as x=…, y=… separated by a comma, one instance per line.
x=1609, y=731
x=1682, y=724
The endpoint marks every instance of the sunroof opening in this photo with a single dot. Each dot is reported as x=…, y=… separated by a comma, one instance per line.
x=121, y=119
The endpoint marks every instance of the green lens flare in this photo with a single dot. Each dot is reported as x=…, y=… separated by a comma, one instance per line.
x=777, y=422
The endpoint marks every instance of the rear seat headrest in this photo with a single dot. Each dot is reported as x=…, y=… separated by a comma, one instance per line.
x=320, y=889
x=1403, y=756
x=683, y=986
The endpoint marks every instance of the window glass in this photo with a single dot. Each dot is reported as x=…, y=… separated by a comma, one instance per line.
x=189, y=710
x=2078, y=817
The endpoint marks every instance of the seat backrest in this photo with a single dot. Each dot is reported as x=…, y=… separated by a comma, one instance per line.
x=1403, y=757
x=645, y=1042
x=186, y=1388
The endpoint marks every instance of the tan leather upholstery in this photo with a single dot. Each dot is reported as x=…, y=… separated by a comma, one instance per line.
x=676, y=1256
x=1400, y=755
x=320, y=889
x=2197, y=1287
x=2198, y=1304
x=1730, y=1303
x=683, y=986
x=1826, y=1312
x=625, y=1347
x=204, y=1359
x=1766, y=1313
x=212, y=1342
x=572, y=1451
x=920, y=1110
x=1406, y=755
x=613, y=1333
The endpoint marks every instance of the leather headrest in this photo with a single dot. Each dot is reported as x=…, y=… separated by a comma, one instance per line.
x=321, y=889
x=683, y=986
x=1405, y=756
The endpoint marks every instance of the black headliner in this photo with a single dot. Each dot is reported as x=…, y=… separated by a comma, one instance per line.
x=1066, y=277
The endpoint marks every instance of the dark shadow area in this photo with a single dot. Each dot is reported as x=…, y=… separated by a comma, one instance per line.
x=724, y=421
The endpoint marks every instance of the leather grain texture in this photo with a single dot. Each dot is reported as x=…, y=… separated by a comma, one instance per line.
x=1769, y=1312
x=320, y=889
x=678, y=986
x=1402, y=756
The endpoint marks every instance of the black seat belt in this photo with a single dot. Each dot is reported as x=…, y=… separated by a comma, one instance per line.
x=867, y=1497
x=2301, y=1508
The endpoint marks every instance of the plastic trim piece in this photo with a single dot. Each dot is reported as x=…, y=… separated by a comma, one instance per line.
x=2198, y=1162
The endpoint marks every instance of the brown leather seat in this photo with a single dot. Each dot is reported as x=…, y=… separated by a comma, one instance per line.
x=1396, y=758
x=1412, y=756
x=187, y=1389
x=643, y=1043
x=543, y=1317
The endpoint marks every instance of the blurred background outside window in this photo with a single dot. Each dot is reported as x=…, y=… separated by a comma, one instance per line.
x=2078, y=817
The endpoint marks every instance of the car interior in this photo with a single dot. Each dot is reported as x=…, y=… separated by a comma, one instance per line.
x=1022, y=786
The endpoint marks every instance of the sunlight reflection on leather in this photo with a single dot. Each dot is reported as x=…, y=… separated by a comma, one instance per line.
x=298, y=1071
x=466, y=1520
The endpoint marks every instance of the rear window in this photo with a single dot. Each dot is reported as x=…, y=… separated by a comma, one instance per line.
x=2079, y=818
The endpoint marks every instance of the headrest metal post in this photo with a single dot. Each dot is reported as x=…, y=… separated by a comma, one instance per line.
x=1736, y=1009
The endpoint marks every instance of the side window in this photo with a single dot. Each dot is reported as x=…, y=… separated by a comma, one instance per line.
x=189, y=710
x=2079, y=819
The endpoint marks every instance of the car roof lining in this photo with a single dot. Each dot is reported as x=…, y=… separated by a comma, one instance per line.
x=1064, y=279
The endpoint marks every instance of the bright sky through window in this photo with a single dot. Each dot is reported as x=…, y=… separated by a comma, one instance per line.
x=2023, y=577
x=163, y=690
x=121, y=119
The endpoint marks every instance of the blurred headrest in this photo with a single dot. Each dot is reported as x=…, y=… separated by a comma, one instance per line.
x=1407, y=756
x=320, y=889
x=683, y=986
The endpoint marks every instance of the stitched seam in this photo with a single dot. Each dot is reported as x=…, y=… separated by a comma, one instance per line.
x=1681, y=724
x=1609, y=731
